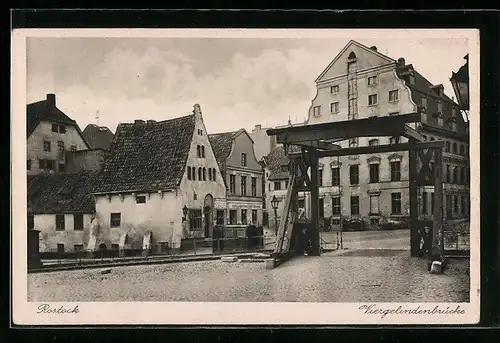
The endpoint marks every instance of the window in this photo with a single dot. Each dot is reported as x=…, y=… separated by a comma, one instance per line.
x=194, y=219
x=372, y=99
x=198, y=151
x=200, y=175
x=46, y=146
x=396, y=171
x=243, y=185
x=335, y=205
x=440, y=108
x=392, y=114
x=203, y=151
x=254, y=186
x=463, y=203
x=336, y=176
x=301, y=203
x=193, y=171
x=60, y=248
x=373, y=142
x=395, y=140
x=447, y=146
x=455, y=148
x=232, y=184
x=219, y=217
x=78, y=247
x=60, y=224
x=243, y=159
x=210, y=178
x=432, y=203
x=286, y=184
x=321, y=207
x=62, y=129
x=374, y=201
x=449, y=204
x=28, y=164
x=462, y=150
x=393, y=95
x=62, y=167
x=195, y=196
x=424, y=202
x=448, y=174
x=73, y=148
x=317, y=111
x=189, y=173
x=115, y=219
x=353, y=142
x=31, y=222
x=78, y=222
x=232, y=217
x=396, y=203
x=140, y=199
x=204, y=174
x=200, y=132
x=60, y=145
x=320, y=177
x=244, y=217
x=464, y=176
x=277, y=185
x=425, y=137
x=354, y=205
x=55, y=128
x=374, y=168
x=354, y=174
x=214, y=173
x=334, y=89
x=334, y=107
x=455, y=176
x=372, y=80
x=455, y=204
x=254, y=216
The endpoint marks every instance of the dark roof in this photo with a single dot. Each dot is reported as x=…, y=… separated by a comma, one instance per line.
x=61, y=193
x=462, y=75
x=41, y=110
x=276, y=160
x=99, y=137
x=222, y=144
x=148, y=156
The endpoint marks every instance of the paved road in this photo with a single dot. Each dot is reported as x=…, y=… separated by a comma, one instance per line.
x=354, y=275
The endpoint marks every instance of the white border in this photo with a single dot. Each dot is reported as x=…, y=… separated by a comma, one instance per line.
x=25, y=313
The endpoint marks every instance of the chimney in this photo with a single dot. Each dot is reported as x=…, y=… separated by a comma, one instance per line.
x=374, y=48
x=139, y=122
x=401, y=62
x=197, y=111
x=151, y=122
x=51, y=100
x=258, y=127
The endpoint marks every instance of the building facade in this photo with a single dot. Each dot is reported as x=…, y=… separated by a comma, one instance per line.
x=361, y=83
x=243, y=176
x=154, y=171
x=50, y=135
x=263, y=143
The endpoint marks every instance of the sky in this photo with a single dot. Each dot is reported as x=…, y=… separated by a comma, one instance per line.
x=238, y=82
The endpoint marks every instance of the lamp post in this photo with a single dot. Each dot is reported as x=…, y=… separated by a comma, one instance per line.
x=274, y=204
x=460, y=83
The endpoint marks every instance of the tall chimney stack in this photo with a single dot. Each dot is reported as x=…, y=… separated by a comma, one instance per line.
x=51, y=100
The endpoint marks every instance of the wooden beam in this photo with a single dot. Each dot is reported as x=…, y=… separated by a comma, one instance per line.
x=376, y=149
x=318, y=145
x=314, y=234
x=437, y=228
x=413, y=174
x=412, y=133
x=376, y=126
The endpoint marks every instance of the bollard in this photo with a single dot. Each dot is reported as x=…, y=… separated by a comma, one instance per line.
x=270, y=263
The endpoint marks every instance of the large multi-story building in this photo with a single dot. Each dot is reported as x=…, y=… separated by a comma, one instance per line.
x=361, y=83
x=50, y=135
x=243, y=175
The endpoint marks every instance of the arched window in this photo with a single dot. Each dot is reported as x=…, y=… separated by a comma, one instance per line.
x=462, y=150
x=352, y=56
x=447, y=146
x=454, y=148
x=204, y=174
x=425, y=137
x=455, y=175
x=203, y=151
x=209, y=174
x=200, y=176
x=193, y=171
x=198, y=151
x=189, y=173
x=214, y=172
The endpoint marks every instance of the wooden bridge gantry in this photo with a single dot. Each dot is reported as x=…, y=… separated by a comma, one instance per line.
x=315, y=141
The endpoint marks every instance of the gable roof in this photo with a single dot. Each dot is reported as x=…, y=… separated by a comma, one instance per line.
x=61, y=193
x=222, y=143
x=277, y=159
x=347, y=46
x=99, y=137
x=148, y=156
x=45, y=110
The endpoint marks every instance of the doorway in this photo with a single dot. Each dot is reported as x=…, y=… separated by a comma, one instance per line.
x=208, y=209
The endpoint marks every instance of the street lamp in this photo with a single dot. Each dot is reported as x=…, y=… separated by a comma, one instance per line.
x=274, y=205
x=460, y=83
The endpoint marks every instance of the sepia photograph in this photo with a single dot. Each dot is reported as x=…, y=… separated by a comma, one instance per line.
x=249, y=174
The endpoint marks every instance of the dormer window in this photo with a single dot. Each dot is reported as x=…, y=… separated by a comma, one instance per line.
x=58, y=128
x=334, y=89
x=353, y=142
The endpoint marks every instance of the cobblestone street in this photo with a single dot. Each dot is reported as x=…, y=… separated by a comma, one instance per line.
x=374, y=268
